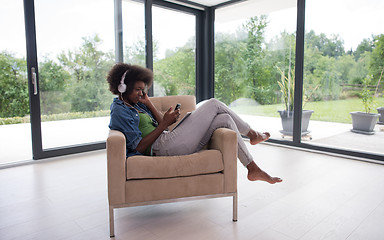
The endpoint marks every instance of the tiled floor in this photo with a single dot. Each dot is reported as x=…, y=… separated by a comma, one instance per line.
x=322, y=197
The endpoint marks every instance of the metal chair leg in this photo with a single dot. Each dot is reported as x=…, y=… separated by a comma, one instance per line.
x=235, y=207
x=111, y=222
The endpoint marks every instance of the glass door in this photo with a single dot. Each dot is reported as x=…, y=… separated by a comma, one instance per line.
x=15, y=128
x=343, y=70
x=133, y=21
x=70, y=51
x=255, y=46
x=174, y=52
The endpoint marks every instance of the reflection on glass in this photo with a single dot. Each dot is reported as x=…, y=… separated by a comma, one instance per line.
x=342, y=71
x=15, y=129
x=75, y=51
x=255, y=62
x=174, y=44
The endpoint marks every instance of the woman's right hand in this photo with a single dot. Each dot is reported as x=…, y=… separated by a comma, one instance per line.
x=170, y=117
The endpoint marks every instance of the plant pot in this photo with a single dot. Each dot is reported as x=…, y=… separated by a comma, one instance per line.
x=287, y=122
x=380, y=110
x=364, y=122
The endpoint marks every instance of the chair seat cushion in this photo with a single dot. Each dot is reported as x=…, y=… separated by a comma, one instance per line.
x=203, y=162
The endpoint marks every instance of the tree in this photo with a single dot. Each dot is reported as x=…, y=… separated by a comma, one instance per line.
x=14, y=96
x=259, y=74
x=176, y=72
x=52, y=76
x=376, y=64
x=230, y=70
x=282, y=50
x=361, y=69
x=327, y=79
x=326, y=66
x=331, y=47
x=365, y=46
x=87, y=89
x=280, y=54
x=135, y=54
x=345, y=64
x=52, y=79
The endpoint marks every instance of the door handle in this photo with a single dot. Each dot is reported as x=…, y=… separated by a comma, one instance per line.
x=34, y=81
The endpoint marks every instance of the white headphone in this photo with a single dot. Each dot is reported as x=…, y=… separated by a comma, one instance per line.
x=122, y=87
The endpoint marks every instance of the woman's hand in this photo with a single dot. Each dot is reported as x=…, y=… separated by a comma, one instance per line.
x=145, y=99
x=170, y=117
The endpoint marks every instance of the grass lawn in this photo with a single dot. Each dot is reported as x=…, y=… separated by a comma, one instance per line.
x=329, y=111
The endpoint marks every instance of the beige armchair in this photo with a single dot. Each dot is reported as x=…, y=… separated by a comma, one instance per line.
x=144, y=180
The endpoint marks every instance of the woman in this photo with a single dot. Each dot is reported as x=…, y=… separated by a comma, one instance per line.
x=144, y=127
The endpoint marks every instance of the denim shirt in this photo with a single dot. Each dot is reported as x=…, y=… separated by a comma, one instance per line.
x=126, y=120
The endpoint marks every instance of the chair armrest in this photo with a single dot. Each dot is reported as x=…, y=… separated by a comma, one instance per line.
x=116, y=160
x=225, y=140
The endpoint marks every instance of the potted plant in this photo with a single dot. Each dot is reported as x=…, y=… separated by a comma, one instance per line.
x=287, y=87
x=364, y=122
x=380, y=110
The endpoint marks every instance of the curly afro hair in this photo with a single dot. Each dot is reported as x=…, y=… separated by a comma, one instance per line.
x=135, y=74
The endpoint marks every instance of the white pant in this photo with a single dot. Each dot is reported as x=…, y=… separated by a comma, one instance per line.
x=196, y=130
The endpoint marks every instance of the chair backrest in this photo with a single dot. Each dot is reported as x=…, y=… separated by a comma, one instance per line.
x=188, y=104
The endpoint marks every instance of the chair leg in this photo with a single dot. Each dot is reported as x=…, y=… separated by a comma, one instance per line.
x=111, y=222
x=235, y=207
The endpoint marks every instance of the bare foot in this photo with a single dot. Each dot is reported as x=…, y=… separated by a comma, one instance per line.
x=256, y=137
x=256, y=174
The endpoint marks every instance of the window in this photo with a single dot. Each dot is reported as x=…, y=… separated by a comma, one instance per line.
x=15, y=129
x=174, y=44
x=75, y=49
x=341, y=57
x=254, y=50
x=133, y=33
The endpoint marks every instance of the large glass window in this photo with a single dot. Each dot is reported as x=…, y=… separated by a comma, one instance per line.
x=133, y=32
x=255, y=62
x=75, y=47
x=343, y=69
x=15, y=129
x=174, y=44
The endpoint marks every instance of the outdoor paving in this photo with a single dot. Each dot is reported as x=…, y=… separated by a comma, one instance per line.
x=15, y=140
x=329, y=134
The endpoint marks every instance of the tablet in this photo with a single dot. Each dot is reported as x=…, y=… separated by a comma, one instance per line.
x=186, y=115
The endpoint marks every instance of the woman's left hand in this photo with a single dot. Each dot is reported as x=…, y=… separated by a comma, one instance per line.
x=144, y=99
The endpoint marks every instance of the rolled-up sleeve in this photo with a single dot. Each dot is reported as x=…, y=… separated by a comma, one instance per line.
x=126, y=121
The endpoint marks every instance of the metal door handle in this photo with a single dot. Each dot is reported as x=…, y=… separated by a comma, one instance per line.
x=34, y=82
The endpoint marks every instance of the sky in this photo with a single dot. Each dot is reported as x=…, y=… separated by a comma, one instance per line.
x=352, y=20
x=60, y=25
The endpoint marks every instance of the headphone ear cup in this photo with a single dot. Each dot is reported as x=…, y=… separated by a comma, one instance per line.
x=122, y=88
